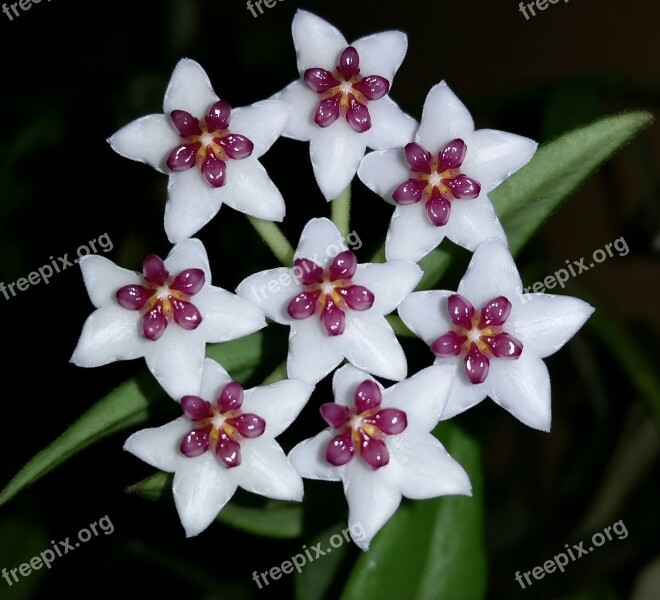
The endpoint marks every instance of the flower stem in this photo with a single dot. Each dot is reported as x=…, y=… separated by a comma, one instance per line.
x=273, y=237
x=341, y=211
x=398, y=326
x=379, y=255
x=278, y=374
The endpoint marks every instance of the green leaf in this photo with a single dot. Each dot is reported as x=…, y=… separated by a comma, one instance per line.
x=127, y=406
x=315, y=580
x=276, y=519
x=527, y=198
x=22, y=540
x=431, y=548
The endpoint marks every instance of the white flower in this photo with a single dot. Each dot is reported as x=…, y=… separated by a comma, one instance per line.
x=440, y=182
x=225, y=439
x=166, y=314
x=494, y=336
x=378, y=444
x=340, y=103
x=334, y=306
x=209, y=150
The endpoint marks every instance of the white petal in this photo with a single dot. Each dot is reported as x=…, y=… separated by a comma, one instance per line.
x=110, y=333
x=464, y=394
x=271, y=291
x=103, y=278
x=250, y=190
x=317, y=43
x=370, y=344
x=390, y=126
x=278, y=404
x=320, y=241
x=425, y=314
x=472, y=222
x=308, y=458
x=191, y=204
x=522, y=387
x=423, y=468
x=312, y=352
x=381, y=53
x=265, y=470
x=189, y=254
x=262, y=123
x=225, y=316
x=491, y=273
x=390, y=282
x=176, y=360
x=149, y=140
x=422, y=396
x=383, y=171
x=214, y=378
x=411, y=235
x=201, y=488
x=303, y=103
x=189, y=89
x=336, y=152
x=444, y=118
x=345, y=382
x=544, y=322
x=159, y=446
x=372, y=499
x=494, y=155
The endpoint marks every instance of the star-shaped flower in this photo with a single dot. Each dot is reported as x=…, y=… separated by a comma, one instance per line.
x=166, y=314
x=209, y=150
x=441, y=180
x=378, y=444
x=340, y=104
x=225, y=439
x=495, y=336
x=335, y=306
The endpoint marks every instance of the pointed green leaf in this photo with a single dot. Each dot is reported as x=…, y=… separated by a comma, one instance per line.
x=276, y=519
x=127, y=406
x=527, y=198
x=430, y=548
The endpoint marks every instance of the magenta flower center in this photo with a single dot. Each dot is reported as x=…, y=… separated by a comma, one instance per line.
x=478, y=336
x=345, y=93
x=363, y=428
x=220, y=426
x=329, y=293
x=436, y=180
x=163, y=298
x=207, y=143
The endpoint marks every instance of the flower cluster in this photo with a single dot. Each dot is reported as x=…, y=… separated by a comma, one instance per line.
x=486, y=340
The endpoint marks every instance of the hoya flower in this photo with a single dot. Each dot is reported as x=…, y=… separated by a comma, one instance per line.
x=494, y=336
x=225, y=439
x=341, y=104
x=379, y=446
x=209, y=150
x=441, y=180
x=166, y=314
x=334, y=306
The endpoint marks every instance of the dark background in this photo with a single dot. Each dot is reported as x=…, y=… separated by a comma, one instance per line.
x=74, y=72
